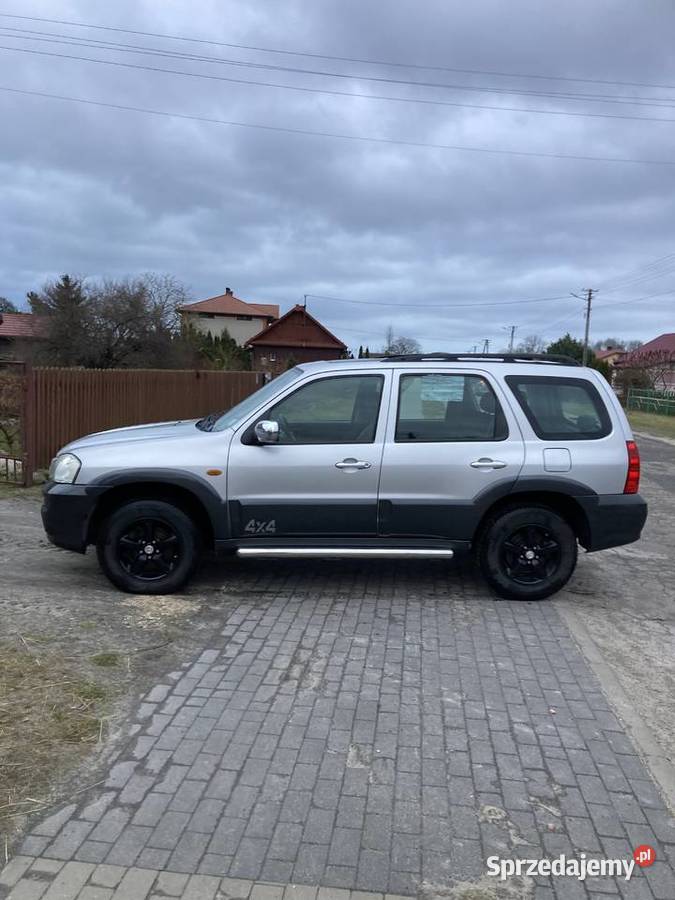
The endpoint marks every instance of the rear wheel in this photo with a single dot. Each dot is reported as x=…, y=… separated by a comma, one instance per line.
x=527, y=553
x=148, y=547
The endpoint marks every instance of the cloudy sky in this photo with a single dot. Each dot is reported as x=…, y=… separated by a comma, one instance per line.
x=437, y=241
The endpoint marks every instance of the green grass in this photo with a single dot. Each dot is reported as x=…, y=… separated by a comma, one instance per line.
x=652, y=423
x=106, y=660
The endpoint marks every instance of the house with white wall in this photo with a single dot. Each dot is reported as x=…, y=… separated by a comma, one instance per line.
x=225, y=312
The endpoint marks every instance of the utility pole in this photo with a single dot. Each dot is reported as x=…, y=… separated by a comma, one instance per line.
x=589, y=297
x=512, y=329
x=486, y=345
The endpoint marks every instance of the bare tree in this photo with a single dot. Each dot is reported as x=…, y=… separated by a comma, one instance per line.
x=532, y=343
x=400, y=345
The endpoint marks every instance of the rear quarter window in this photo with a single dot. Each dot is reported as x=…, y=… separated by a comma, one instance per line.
x=561, y=409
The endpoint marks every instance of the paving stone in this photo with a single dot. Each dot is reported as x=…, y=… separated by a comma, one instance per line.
x=92, y=851
x=95, y=893
x=69, y=881
x=28, y=890
x=14, y=870
x=47, y=866
x=267, y=892
x=235, y=888
x=107, y=876
x=300, y=892
x=135, y=884
x=69, y=839
x=53, y=824
x=352, y=737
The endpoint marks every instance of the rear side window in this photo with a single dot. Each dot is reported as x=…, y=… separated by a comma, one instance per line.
x=561, y=409
x=437, y=407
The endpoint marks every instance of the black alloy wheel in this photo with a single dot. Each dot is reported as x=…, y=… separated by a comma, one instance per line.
x=531, y=555
x=148, y=547
x=526, y=552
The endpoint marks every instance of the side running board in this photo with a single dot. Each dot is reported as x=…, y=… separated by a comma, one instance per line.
x=343, y=553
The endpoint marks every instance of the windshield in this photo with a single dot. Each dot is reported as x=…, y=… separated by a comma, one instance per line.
x=233, y=416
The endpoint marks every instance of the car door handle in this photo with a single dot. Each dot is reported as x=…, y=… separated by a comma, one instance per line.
x=486, y=463
x=350, y=463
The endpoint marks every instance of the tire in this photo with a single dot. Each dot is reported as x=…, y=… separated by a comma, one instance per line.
x=148, y=547
x=527, y=552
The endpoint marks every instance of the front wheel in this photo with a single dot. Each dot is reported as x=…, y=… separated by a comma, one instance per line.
x=527, y=552
x=148, y=547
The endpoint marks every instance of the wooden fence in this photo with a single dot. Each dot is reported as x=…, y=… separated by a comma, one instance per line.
x=68, y=403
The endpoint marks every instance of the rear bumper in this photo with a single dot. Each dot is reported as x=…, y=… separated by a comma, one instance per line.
x=66, y=513
x=613, y=520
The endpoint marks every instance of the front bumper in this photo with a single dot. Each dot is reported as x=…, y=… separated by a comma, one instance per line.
x=613, y=520
x=66, y=513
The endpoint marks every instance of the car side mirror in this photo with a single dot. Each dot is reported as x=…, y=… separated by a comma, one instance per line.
x=267, y=432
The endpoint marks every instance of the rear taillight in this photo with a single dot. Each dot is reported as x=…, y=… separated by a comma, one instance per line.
x=633, y=477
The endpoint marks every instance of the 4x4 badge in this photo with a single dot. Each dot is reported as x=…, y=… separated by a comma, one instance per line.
x=256, y=527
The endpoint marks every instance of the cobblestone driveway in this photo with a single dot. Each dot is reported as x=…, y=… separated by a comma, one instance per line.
x=361, y=726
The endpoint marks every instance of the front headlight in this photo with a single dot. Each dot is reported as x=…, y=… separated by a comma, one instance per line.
x=64, y=468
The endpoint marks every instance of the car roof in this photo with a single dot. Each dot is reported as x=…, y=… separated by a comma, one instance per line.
x=506, y=364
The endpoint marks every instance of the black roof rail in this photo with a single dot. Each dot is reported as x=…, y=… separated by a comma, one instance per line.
x=550, y=358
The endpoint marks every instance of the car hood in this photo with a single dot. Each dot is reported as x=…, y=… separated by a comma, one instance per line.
x=158, y=431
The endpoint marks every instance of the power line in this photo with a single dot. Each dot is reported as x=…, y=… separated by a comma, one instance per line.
x=352, y=59
x=422, y=101
x=634, y=300
x=337, y=135
x=659, y=102
x=645, y=266
x=438, y=305
x=665, y=267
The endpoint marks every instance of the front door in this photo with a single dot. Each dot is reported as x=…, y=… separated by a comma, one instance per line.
x=320, y=480
x=450, y=440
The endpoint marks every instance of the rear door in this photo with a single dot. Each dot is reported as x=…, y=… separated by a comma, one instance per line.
x=321, y=479
x=451, y=437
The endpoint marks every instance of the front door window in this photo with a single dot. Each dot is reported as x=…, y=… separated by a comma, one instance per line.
x=338, y=410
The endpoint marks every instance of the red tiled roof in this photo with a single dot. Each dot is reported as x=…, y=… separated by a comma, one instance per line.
x=662, y=346
x=664, y=342
x=229, y=305
x=296, y=328
x=20, y=325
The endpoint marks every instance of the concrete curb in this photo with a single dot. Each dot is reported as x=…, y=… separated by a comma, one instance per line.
x=654, y=437
x=660, y=767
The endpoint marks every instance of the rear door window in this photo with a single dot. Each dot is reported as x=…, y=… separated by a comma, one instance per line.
x=440, y=407
x=561, y=409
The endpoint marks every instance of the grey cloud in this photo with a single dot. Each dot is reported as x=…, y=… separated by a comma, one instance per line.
x=106, y=193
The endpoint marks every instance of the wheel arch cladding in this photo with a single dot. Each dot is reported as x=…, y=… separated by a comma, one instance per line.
x=559, y=501
x=200, y=502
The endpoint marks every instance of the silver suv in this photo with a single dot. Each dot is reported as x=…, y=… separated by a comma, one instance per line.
x=517, y=458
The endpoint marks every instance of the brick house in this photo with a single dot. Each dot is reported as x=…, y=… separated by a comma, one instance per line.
x=610, y=355
x=296, y=337
x=226, y=312
x=18, y=334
